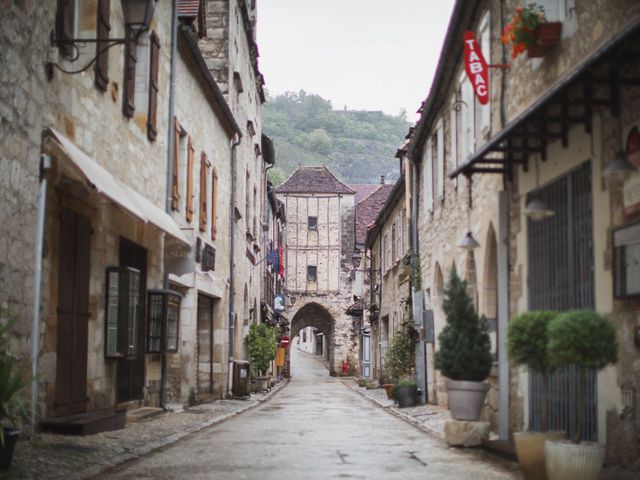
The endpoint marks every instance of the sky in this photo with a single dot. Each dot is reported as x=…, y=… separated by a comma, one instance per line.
x=362, y=54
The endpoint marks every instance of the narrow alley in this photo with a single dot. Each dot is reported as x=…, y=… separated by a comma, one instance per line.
x=316, y=427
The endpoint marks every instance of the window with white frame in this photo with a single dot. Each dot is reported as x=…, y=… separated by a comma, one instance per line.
x=439, y=156
x=427, y=177
x=483, y=112
x=560, y=11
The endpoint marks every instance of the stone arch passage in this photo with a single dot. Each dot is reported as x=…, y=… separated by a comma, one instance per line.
x=315, y=315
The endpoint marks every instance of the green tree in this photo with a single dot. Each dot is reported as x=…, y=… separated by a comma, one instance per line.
x=465, y=347
x=399, y=357
x=262, y=344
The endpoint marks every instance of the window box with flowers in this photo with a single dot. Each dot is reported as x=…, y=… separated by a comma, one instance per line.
x=529, y=30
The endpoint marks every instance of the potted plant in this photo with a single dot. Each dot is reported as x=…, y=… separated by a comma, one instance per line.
x=261, y=344
x=529, y=30
x=528, y=346
x=13, y=384
x=398, y=359
x=405, y=392
x=464, y=356
x=588, y=340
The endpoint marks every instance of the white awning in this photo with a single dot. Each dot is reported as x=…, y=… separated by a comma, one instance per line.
x=108, y=185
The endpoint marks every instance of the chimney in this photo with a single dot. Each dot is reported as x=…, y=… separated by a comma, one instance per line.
x=381, y=179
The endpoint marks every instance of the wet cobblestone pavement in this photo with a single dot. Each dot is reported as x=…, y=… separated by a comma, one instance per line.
x=74, y=457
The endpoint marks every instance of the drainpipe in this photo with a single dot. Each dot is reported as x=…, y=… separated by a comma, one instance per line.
x=171, y=142
x=265, y=236
x=232, y=219
x=45, y=165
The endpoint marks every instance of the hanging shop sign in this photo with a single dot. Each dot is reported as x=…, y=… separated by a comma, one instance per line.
x=631, y=190
x=476, y=67
x=278, y=303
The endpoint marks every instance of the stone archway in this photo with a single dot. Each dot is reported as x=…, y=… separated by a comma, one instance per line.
x=314, y=314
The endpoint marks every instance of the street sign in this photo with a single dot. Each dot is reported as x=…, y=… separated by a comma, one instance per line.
x=284, y=341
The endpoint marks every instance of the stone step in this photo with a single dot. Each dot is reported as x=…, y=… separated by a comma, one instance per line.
x=144, y=413
x=88, y=423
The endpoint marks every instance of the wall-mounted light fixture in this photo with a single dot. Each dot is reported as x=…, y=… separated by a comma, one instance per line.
x=137, y=19
x=537, y=209
x=468, y=242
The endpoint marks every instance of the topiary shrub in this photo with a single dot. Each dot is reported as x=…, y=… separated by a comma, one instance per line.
x=528, y=345
x=465, y=347
x=399, y=358
x=586, y=339
x=262, y=344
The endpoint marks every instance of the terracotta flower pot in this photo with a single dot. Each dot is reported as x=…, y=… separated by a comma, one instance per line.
x=388, y=387
x=530, y=452
x=547, y=36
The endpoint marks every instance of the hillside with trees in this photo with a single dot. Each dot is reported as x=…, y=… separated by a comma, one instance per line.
x=358, y=146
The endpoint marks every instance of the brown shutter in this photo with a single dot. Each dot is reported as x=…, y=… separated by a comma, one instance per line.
x=175, y=192
x=190, y=154
x=102, y=54
x=214, y=195
x=153, y=87
x=204, y=176
x=130, y=60
x=65, y=19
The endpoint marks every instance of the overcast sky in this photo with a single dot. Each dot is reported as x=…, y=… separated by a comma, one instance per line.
x=365, y=54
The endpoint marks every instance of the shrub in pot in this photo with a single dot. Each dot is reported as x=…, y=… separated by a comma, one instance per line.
x=405, y=392
x=527, y=340
x=262, y=342
x=398, y=359
x=13, y=385
x=588, y=340
x=464, y=356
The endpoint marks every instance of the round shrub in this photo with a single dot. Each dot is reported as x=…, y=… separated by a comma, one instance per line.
x=528, y=339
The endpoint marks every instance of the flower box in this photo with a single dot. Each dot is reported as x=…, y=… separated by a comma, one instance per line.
x=547, y=36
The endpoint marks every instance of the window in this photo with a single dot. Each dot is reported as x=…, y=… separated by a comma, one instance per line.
x=123, y=312
x=129, y=83
x=250, y=128
x=189, y=199
x=312, y=273
x=247, y=207
x=214, y=203
x=204, y=178
x=394, y=239
x=175, y=183
x=427, y=169
x=483, y=112
x=439, y=160
x=102, y=32
x=154, y=58
x=164, y=320
x=454, y=123
x=255, y=212
x=312, y=223
x=237, y=82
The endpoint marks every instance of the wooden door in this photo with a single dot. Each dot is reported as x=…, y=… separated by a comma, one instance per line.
x=72, y=313
x=205, y=346
x=130, y=370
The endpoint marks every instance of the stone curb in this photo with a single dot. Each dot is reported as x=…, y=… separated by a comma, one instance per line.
x=152, y=446
x=395, y=411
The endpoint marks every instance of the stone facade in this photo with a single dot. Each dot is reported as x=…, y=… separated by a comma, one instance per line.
x=318, y=269
x=585, y=141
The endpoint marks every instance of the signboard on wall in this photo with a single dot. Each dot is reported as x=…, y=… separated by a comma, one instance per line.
x=631, y=191
x=476, y=67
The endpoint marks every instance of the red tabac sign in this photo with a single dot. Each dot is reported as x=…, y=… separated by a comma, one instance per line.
x=476, y=67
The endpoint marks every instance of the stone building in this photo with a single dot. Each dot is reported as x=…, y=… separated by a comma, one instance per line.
x=550, y=130
x=228, y=44
x=389, y=302
x=318, y=260
x=134, y=309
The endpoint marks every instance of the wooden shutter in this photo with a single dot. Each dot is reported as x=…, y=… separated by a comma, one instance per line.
x=130, y=60
x=153, y=87
x=175, y=192
x=204, y=176
x=65, y=20
x=102, y=32
x=214, y=201
x=189, y=206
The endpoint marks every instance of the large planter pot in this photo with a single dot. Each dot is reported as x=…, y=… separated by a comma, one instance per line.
x=466, y=398
x=530, y=452
x=262, y=384
x=6, y=451
x=566, y=460
x=406, y=396
x=547, y=36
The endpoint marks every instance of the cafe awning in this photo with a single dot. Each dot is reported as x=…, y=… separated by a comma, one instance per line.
x=105, y=183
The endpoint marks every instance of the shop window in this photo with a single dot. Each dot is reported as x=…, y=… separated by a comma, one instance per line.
x=164, y=320
x=123, y=312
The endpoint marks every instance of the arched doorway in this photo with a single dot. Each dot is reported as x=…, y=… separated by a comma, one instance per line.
x=317, y=316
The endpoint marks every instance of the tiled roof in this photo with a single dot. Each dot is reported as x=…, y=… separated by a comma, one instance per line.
x=363, y=190
x=188, y=8
x=368, y=209
x=313, y=180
